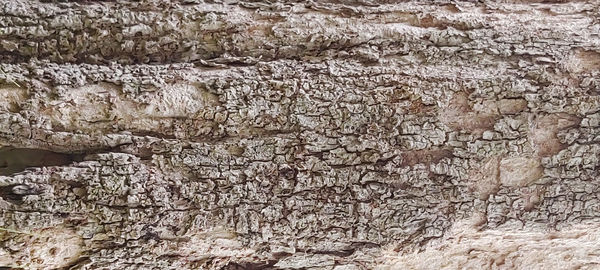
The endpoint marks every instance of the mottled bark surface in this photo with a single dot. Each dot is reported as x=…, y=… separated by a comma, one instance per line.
x=292, y=135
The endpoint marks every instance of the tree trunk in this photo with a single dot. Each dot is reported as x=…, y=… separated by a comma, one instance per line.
x=289, y=135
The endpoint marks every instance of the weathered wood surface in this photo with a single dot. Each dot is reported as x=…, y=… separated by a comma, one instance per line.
x=299, y=135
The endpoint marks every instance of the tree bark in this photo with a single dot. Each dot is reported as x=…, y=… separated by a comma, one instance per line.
x=289, y=135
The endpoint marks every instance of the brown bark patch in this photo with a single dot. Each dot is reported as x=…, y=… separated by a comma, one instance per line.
x=484, y=180
x=11, y=98
x=509, y=172
x=50, y=248
x=543, y=131
x=581, y=61
x=426, y=156
x=459, y=115
x=520, y=171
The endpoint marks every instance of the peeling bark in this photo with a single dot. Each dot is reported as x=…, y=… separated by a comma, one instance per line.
x=287, y=135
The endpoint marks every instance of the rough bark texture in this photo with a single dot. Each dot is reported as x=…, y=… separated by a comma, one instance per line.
x=299, y=135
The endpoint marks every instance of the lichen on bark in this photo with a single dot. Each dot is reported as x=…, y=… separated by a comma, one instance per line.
x=274, y=134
